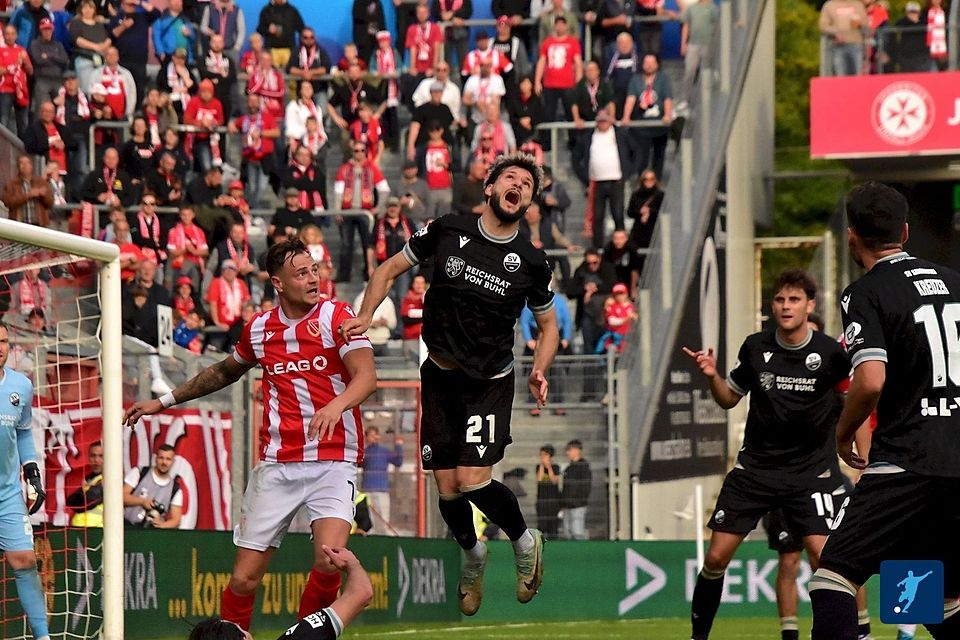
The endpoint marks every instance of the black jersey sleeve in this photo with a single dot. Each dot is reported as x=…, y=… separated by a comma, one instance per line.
x=322, y=625
x=863, y=331
x=540, y=298
x=742, y=373
x=423, y=244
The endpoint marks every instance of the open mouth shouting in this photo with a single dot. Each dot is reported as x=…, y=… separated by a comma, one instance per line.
x=512, y=197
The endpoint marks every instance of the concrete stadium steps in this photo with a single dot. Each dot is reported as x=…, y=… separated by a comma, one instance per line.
x=589, y=425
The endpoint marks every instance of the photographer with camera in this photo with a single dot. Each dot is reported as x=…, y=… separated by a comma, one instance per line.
x=151, y=495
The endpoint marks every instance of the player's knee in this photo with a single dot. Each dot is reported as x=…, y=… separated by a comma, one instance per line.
x=715, y=561
x=244, y=585
x=789, y=566
x=21, y=560
x=472, y=478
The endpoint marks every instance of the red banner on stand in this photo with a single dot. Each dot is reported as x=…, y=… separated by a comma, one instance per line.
x=885, y=115
x=201, y=440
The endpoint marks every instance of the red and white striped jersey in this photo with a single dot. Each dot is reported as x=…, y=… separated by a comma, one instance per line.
x=303, y=370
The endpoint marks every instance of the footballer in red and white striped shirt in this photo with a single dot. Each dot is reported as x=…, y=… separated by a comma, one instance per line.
x=303, y=369
x=312, y=439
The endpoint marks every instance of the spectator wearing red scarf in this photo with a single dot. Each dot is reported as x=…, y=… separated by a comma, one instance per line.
x=357, y=185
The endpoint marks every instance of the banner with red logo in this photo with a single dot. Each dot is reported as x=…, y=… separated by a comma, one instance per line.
x=201, y=440
x=885, y=115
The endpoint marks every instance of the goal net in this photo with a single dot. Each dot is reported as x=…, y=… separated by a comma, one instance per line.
x=60, y=302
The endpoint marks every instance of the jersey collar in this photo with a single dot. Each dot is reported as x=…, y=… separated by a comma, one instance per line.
x=290, y=322
x=893, y=256
x=491, y=238
x=793, y=347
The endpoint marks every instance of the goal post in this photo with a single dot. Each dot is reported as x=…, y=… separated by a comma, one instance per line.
x=107, y=256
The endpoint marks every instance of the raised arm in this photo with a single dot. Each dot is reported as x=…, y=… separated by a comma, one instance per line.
x=380, y=283
x=548, y=339
x=724, y=396
x=213, y=378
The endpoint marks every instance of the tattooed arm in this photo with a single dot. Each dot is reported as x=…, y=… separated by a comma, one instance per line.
x=213, y=378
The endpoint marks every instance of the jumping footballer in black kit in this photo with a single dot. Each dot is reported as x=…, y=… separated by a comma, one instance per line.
x=483, y=275
x=788, y=460
x=901, y=331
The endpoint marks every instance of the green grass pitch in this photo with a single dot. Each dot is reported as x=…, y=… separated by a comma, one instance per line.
x=655, y=629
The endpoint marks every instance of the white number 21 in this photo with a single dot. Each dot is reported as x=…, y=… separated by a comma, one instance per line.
x=475, y=425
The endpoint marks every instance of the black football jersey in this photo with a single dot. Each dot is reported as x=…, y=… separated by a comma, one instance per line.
x=791, y=423
x=906, y=312
x=478, y=289
x=322, y=625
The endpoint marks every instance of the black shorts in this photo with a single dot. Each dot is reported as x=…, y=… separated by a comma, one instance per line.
x=897, y=516
x=808, y=507
x=780, y=537
x=784, y=539
x=465, y=421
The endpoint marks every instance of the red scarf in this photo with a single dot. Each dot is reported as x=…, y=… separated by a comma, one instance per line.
x=217, y=63
x=32, y=296
x=355, y=96
x=179, y=237
x=311, y=200
x=368, y=134
x=592, y=92
x=109, y=177
x=937, y=33
x=366, y=186
x=83, y=109
x=269, y=86
x=153, y=232
x=314, y=142
x=380, y=235
x=178, y=87
x=233, y=251
x=116, y=96
x=184, y=305
x=386, y=65
x=153, y=122
x=589, y=211
x=307, y=57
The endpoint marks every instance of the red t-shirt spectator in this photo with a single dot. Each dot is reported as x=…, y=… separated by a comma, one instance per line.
x=424, y=41
x=178, y=239
x=54, y=154
x=437, y=162
x=10, y=60
x=255, y=146
x=198, y=111
x=559, y=54
x=227, y=298
x=411, y=310
x=127, y=251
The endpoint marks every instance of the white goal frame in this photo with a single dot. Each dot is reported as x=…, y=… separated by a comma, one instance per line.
x=111, y=403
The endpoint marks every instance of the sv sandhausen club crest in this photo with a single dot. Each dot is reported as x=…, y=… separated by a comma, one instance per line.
x=454, y=266
x=766, y=380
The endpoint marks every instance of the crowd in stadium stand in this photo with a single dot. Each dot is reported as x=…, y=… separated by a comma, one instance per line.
x=303, y=121
x=862, y=37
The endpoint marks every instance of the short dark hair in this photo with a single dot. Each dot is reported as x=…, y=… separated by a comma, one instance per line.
x=575, y=443
x=817, y=321
x=796, y=278
x=549, y=450
x=215, y=629
x=280, y=252
x=165, y=447
x=522, y=160
x=877, y=213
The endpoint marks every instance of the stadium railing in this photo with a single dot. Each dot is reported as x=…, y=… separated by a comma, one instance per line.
x=690, y=196
x=885, y=39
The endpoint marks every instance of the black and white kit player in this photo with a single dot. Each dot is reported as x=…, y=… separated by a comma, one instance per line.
x=483, y=275
x=902, y=331
x=788, y=460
